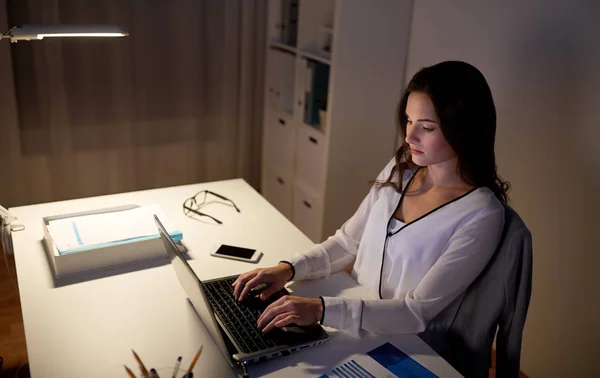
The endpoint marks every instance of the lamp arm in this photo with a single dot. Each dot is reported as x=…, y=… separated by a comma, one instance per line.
x=5, y=216
x=7, y=34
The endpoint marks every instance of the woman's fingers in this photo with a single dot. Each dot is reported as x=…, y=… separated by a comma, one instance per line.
x=272, y=277
x=270, y=290
x=270, y=312
x=289, y=309
x=241, y=282
x=281, y=320
x=290, y=319
x=257, y=279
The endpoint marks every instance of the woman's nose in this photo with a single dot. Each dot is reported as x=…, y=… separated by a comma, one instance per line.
x=411, y=137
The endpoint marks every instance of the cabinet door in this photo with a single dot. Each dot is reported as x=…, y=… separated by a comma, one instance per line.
x=307, y=214
x=274, y=80
x=275, y=22
x=303, y=84
x=279, y=142
x=310, y=159
x=278, y=191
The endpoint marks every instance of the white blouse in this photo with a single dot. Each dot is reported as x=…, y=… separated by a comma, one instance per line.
x=427, y=263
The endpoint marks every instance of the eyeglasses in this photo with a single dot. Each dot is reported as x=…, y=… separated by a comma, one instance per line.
x=191, y=205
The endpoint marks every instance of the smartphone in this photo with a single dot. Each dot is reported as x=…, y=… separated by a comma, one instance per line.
x=236, y=253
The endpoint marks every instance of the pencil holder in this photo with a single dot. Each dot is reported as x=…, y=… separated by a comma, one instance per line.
x=167, y=372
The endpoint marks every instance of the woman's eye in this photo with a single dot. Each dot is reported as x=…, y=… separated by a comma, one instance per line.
x=427, y=129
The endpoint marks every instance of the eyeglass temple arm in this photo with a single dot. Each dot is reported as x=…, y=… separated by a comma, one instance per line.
x=224, y=199
x=203, y=214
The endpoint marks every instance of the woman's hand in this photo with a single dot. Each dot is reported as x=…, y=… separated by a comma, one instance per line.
x=290, y=309
x=274, y=278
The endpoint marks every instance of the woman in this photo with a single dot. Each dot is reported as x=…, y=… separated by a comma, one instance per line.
x=426, y=229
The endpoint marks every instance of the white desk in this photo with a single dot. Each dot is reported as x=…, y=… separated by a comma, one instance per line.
x=86, y=327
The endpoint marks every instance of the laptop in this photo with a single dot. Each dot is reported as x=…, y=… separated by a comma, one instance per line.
x=232, y=324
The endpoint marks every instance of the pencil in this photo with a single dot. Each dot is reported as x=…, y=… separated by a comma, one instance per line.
x=189, y=370
x=129, y=372
x=142, y=367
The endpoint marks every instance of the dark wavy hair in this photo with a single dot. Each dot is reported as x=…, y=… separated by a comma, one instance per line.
x=464, y=105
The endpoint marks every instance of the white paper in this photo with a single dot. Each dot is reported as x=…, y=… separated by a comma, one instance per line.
x=88, y=230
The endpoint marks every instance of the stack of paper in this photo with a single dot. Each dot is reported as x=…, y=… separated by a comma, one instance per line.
x=80, y=233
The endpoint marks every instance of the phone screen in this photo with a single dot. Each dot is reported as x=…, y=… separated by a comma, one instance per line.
x=229, y=250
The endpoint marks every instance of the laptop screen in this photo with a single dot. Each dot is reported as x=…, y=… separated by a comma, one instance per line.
x=192, y=286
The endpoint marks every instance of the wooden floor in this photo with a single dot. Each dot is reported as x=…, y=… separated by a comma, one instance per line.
x=12, y=334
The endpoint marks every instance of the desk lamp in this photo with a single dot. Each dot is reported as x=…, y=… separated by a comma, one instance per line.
x=33, y=32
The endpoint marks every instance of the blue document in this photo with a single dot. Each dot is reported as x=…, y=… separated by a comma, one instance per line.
x=398, y=362
x=383, y=360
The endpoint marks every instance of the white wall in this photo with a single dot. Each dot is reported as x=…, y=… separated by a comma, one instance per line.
x=542, y=61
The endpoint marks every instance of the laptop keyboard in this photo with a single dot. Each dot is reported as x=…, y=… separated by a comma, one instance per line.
x=238, y=317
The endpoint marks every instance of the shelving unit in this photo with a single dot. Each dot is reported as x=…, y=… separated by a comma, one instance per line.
x=282, y=46
x=319, y=56
x=334, y=76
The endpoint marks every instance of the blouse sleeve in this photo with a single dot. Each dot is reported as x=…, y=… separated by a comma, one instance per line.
x=339, y=250
x=464, y=257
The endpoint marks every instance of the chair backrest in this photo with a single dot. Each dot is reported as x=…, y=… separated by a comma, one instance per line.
x=464, y=332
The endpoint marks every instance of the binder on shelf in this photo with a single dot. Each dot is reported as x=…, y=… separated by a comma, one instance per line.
x=97, y=239
x=309, y=75
x=316, y=80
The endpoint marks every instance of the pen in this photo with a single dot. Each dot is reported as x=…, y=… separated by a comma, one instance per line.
x=141, y=364
x=176, y=369
x=129, y=372
x=153, y=373
x=189, y=370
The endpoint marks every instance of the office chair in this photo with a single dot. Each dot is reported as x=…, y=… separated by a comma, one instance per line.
x=495, y=304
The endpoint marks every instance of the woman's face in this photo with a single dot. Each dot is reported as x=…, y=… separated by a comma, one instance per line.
x=423, y=133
